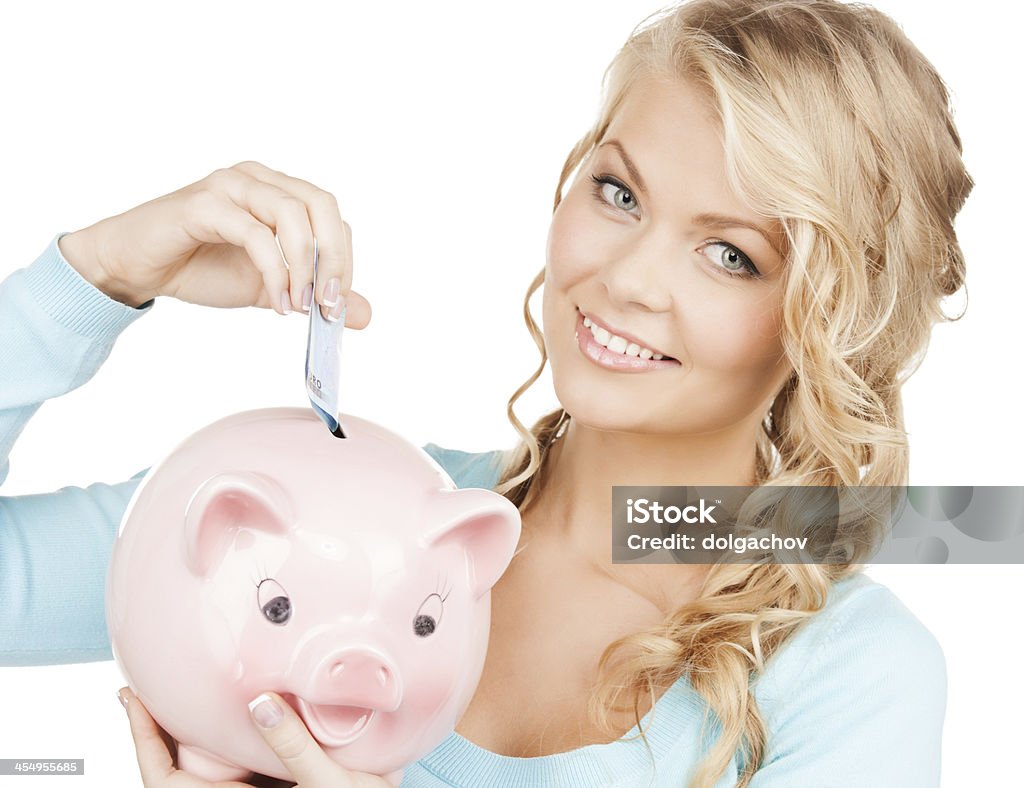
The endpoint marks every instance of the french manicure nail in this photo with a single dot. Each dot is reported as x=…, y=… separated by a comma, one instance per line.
x=332, y=292
x=265, y=711
x=307, y=297
x=286, y=302
x=123, y=699
x=335, y=312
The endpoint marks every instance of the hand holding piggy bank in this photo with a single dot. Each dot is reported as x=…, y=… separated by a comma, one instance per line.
x=348, y=575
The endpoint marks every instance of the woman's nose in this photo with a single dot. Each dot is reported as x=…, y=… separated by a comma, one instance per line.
x=638, y=273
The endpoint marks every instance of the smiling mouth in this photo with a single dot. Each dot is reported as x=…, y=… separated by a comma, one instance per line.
x=614, y=361
x=332, y=725
x=616, y=344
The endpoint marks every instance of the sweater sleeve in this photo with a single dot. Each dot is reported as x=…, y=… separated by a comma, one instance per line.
x=56, y=329
x=862, y=704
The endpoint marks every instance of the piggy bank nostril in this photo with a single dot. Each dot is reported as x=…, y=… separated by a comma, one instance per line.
x=381, y=674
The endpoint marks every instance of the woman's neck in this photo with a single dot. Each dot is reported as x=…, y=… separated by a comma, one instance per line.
x=573, y=511
x=584, y=464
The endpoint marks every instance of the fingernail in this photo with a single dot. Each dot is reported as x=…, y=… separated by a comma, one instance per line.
x=286, y=302
x=265, y=711
x=307, y=297
x=332, y=292
x=336, y=310
x=121, y=697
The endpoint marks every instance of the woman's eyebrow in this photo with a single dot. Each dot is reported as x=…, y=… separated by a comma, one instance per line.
x=634, y=173
x=718, y=220
x=703, y=219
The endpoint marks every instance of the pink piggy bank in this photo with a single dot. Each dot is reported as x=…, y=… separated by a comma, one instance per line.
x=349, y=575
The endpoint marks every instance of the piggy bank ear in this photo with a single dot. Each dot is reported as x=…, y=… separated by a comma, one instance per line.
x=225, y=503
x=486, y=524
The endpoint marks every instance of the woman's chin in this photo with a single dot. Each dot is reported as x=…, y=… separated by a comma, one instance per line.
x=597, y=416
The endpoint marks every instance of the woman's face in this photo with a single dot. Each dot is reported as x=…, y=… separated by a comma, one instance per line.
x=642, y=254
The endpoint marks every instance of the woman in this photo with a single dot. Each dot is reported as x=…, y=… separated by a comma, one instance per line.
x=744, y=269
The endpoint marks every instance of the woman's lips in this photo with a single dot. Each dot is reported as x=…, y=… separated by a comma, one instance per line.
x=609, y=359
x=623, y=334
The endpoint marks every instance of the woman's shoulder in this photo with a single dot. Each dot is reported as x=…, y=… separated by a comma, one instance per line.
x=863, y=674
x=863, y=625
x=468, y=469
x=860, y=685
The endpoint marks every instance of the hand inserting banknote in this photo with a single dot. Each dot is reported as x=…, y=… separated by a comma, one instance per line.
x=323, y=361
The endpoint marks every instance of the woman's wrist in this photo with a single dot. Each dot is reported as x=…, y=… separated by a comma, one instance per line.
x=81, y=251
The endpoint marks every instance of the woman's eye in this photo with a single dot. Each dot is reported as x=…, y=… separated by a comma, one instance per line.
x=731, y=260
x=621, y=197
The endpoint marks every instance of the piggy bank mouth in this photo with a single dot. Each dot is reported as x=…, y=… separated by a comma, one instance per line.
x=332, y=725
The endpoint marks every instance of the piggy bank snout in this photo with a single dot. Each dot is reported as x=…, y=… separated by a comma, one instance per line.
x=360, y=677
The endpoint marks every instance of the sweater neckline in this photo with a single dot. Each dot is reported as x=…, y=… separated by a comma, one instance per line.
x=459, y=760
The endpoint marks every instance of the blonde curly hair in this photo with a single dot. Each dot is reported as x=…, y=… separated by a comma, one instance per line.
x=835, y=124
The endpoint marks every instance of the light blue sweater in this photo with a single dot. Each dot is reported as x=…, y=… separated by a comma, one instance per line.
x=855, y=698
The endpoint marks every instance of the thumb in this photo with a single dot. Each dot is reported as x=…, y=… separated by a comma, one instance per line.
x=283, y=730
x=357, y=310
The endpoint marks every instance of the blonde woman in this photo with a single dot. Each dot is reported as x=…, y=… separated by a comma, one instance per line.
x=747, y=253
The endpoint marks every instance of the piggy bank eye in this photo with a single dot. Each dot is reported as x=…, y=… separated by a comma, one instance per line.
x=273, y=601
x=428, y=616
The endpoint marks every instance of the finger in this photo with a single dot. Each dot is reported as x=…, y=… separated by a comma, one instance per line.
x=213, y=218
x=156, y=763
x=357, y=310
x=286, y=734
x=283, y=211
x=334, y=294
x=334, y=236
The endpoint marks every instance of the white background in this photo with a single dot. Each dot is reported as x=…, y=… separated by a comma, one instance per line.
x=441, y=128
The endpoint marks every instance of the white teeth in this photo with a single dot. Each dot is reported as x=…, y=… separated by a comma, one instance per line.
x=618, y=344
